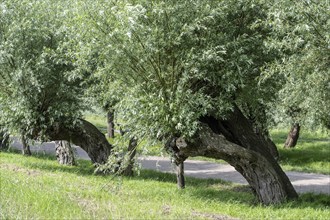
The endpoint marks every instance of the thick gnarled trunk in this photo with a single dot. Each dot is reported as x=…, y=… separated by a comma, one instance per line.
x=234, y=141
x=293, y=136
x=87, y=136
x=64, y=153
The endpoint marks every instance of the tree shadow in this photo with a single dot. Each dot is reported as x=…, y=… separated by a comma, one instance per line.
x=47, y=162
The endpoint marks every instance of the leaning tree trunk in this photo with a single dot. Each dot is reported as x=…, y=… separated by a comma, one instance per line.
x=64, y=153
x=26, y=147
x=293, y=136
x=111, y=124
x=234, y=141
x=85, y=135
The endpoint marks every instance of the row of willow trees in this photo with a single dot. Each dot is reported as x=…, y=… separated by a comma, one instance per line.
x=206, y=78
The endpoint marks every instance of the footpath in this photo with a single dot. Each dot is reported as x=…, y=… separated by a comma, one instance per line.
x=302, y=182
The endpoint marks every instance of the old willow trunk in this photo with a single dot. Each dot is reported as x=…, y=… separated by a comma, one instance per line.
x=64, y=153
x=26, y=147
x=293, y=136
x=234, y=141
x=111, y=124
x=87, y=136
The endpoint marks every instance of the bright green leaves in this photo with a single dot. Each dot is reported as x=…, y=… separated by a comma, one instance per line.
x=177, y=61
x=36, y=89
x=301, y=36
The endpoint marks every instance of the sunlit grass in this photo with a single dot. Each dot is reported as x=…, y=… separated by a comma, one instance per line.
x=311, y=154
x=39, y=188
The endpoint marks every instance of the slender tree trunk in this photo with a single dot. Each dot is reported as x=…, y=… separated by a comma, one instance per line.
x=111, y=124
x=180, y=176
x=64, y=153
x=131, y=154
x=234, y=141
x=293, y=136
x=85, y=135
x=26, y=147
x=4, y=140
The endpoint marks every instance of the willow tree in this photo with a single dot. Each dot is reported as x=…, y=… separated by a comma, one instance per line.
x=189, y=69
x=40, y=95
x=301, y=37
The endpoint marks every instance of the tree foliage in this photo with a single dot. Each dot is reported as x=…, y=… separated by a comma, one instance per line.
x=180, y=60
x=301, y=35
x=37, y=87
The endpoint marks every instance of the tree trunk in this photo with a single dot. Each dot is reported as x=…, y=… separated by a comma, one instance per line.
x=4, y=140
x=180, y=176
x=64, y=153
x=293, y=136
x=26, y=147
x=234, y=141
x=111, y=124
x=128, y=171
x=85, y=135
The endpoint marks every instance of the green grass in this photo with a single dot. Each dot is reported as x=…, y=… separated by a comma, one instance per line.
x=39, y=188
x=311, y=154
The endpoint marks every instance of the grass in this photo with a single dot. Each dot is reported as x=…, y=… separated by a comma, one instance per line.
x=38, y=188
x=312, y=153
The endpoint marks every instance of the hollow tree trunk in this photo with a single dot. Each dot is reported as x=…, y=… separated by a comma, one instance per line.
x=293, y=136
x=85, y=135
x=234, y=141
x=26, y=147
x=111, y=124
x=64, y=153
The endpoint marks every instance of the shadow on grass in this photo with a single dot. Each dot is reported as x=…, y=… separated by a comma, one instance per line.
x=48, y=163
x=312, y=148
x=205, y=189
x=222, y=191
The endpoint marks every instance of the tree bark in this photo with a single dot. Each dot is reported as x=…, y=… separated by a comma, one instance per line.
x=111, y=124
x=180, y=176
x=85, y=135
x=234, y=141
x=64, y=153
x=26, y=147
x=293, y=136
x=128, y=171
x=4, y=140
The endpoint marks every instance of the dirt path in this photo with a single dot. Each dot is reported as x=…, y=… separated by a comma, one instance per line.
x=302, y=182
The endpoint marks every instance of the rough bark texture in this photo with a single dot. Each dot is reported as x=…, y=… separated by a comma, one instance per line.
x=64, y=153
x=111, y=124
x=26, y=148
x=234, y=141
x=293, y=136
x=128, y=171
x=87, y=136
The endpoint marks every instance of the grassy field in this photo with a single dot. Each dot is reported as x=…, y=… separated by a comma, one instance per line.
x=312, y=153
x=38, y=188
